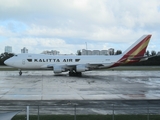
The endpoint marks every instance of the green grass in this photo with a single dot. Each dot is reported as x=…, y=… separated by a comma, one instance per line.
x=88, y=117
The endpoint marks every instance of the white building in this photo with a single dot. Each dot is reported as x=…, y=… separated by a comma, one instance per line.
x=24, y=50
x=8, y=49
x=52, y=52
x=95, y=52
x=86, y=52
x=104, y=52
x=89, y=52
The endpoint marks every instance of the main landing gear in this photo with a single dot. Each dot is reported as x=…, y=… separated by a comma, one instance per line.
x=79, y=74
x=20, y=73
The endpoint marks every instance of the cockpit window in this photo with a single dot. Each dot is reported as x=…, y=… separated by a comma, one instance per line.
x=15, y=55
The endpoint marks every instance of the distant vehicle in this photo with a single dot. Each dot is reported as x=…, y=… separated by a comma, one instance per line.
x=78, y=64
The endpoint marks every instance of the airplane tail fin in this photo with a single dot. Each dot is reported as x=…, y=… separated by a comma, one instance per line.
x=136, y=51
x=139, y=47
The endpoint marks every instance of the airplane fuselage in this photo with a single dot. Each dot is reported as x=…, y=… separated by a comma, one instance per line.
x=41, y=61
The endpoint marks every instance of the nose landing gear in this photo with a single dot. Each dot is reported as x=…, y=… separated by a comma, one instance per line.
x=20, y=73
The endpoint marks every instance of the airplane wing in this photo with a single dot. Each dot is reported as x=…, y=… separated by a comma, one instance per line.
x=75, y=67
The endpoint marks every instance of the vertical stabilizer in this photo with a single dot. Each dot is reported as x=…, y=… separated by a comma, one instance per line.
x=135, y=52
x=139, y=47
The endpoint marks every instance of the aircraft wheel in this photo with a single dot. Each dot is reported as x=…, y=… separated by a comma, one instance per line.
x=79, y=74
x=70, y=73
x=20, y=73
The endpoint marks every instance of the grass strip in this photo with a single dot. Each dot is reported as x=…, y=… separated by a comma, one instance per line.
x=88, y=117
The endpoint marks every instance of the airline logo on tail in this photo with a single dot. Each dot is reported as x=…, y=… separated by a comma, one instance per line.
x=136, y=52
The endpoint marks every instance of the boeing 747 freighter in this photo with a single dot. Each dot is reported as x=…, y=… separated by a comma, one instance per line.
x=78, y=64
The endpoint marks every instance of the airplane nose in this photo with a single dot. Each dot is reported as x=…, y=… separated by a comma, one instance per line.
x=8, y=62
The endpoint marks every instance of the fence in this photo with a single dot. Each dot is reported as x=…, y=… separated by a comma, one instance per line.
x=112, y=108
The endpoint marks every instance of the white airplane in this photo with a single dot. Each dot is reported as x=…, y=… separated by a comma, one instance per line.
x=78, y=64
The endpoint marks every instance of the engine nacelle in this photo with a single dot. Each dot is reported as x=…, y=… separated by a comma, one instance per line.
x=57, y=69
x=81, y=68
x=144, y=59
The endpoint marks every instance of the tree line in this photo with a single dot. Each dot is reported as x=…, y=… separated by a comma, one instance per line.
x=5, y=56
x=153, y=61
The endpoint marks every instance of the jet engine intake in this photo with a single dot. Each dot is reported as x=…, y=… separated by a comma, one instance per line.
x=57, y=69
x=81, y=68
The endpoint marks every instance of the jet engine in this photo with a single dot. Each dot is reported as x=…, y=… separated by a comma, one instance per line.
x=81, y=68
x=57, y=69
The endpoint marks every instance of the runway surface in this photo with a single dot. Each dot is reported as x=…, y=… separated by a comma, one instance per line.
x=94, y=85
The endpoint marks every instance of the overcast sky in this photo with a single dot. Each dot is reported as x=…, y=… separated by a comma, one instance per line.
x=67, y=25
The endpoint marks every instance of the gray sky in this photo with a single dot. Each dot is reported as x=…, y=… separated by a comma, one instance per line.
x=67, y=25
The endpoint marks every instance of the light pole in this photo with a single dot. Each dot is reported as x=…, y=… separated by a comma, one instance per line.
x=86, y=45
x=86, y=48
x=27, y=112
x=75, y=112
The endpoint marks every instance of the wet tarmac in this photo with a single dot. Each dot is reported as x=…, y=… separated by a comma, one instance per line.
x=93, y=85
x=96, y=92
